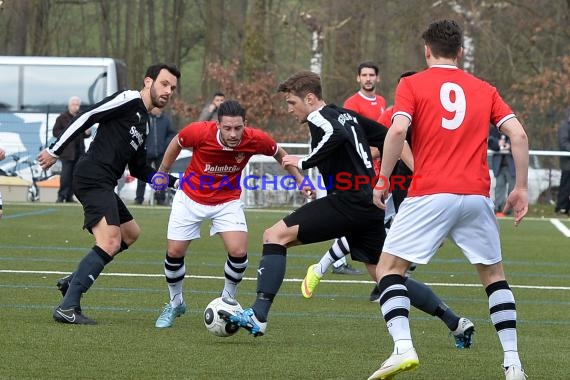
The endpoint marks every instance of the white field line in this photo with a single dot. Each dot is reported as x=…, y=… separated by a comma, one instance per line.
x=560, y=227
x=160, y=275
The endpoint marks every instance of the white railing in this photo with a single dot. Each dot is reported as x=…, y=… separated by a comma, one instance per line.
x=543, y=182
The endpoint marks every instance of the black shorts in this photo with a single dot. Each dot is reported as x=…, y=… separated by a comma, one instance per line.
x=330, y=218
x=98, y=202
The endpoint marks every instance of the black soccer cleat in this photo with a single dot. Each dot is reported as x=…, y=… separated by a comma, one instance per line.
x=71, y=316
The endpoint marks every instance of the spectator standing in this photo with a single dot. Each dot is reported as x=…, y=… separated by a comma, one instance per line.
x=160, y=133
x=210, y=111
x=72, y=152
x=563, y=201
x=503, y=167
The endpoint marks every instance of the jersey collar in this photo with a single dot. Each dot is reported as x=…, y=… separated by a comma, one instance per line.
x=444, y=66
x=367, y=97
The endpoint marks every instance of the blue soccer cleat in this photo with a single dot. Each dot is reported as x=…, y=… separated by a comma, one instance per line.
x=245, y=319
x=169, y=314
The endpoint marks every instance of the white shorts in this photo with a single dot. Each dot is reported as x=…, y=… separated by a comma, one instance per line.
x=186, y=217
x=422, y=223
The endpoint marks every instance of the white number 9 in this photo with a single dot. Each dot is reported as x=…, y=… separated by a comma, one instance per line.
x=457, y=106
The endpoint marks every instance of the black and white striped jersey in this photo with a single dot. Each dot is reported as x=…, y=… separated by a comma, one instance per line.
x=119, y=140
x=340, y=143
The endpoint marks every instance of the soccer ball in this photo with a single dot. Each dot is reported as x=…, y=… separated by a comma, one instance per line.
x=212, y=320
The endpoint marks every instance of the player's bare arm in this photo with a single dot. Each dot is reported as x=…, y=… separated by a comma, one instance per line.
x=170, y=155
x=289, y=163
x=407, y=156
x=290, y=160
x=518, y=198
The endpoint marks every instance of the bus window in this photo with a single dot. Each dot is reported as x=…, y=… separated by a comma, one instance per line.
x=37, y=89
x=9, y=84
x=39, y=82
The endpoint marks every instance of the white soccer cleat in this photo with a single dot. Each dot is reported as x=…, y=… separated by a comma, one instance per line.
x=396, y=363
x=464, y=333
x=515, y=373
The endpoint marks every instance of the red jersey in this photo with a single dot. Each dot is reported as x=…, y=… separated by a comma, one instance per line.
x=368, y=107
x=371, y=108
x=386, y=118
x=213, y=175
x=450, y=130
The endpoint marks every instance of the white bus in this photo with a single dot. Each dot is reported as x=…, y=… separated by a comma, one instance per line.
x=35, y=90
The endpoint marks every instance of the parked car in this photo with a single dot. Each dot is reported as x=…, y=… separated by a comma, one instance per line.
x=542, y=183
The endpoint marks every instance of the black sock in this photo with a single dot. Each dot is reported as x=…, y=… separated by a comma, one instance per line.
x=85, y=275
x=270, y=276
x=124, y=247
x=423, y=297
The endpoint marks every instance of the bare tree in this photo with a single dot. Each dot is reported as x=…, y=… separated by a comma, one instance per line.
x=15, y=16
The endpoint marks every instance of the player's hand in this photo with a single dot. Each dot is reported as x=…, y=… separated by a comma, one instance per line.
x=46, y=160
x=290, y=160
x=518, y=202
x=380, y=192
x=309, y=192
x=2, y=154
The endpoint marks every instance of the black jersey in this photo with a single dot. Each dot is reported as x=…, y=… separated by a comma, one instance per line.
x=340, y=142
x=119, y=140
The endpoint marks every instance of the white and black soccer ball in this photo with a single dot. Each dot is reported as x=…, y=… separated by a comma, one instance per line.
x=212, y=320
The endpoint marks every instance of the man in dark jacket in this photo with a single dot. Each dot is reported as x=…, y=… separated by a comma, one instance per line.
x=503, y=166
x=563, y=201
x=72, y=152
x=160, y=133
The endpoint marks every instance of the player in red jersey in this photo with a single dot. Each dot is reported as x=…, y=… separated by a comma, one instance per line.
x=449, y=196
x=210, y=190
x=366, y=102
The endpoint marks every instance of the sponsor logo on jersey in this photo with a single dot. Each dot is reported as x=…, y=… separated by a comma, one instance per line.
x=221, y=169
x=136, y=135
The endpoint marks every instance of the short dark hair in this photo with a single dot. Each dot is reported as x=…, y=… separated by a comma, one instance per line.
x=219, y=93
x=444, y=38
x=153, y=70
x=231, y=108
x=367, y=65
x=302, y=83
x=407, y=74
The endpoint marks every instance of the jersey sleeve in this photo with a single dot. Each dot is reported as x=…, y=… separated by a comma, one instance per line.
x=191, y=135
x=386, y=117
x=404, y=100
x=500, y=111
x=264, y=143
x=109, y=108
x=334, y=135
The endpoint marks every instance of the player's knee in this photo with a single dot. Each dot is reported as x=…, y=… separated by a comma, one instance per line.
x=279, y=234
x=110, y=245
x=237, y=252
x=130, y=235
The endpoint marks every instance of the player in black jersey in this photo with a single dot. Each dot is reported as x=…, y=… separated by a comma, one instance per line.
x=340, y=149
x=119, y=141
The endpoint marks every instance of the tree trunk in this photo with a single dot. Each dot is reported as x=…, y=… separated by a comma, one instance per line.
x=213, y=10
x=15, y=16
